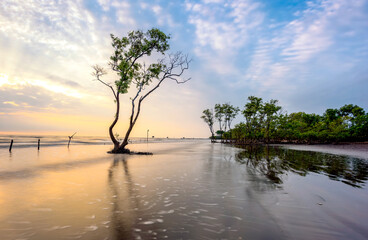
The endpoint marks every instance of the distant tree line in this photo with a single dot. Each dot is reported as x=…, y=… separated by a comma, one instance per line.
x=266, y=122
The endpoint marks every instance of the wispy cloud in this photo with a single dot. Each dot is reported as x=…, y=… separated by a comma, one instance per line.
x=51, y=24
x=222, y=29
x=123, y=11
x=36, y=95
x=223, y=26
x=56, y=88
x=163, y=16
x=53, y=44
x=288, y=61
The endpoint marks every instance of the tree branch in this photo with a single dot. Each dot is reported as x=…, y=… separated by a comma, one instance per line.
x=133, y=104
x=99, y=71
x=175, y=61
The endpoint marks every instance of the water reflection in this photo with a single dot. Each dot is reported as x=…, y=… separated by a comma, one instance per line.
x=122, y=198
x=275, y=163
x=184, y=191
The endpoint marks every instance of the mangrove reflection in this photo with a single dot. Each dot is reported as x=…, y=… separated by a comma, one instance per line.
x=123, y=198
x=275, y=162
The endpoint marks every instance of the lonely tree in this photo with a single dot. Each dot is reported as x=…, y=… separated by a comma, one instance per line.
x=127, y=62
x=208, y=117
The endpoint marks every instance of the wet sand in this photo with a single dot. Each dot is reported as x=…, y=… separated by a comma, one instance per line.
x=188, y=190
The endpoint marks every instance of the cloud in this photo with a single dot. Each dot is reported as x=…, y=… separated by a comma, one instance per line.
x=105, y=4
x=316, y=49
x=163, y=17
x=50, y=47
x=224, y=26
x=36, y=95
x=222, y=30
x=287, y=58
x=20, y=83
x=57, y=25
x=42, y=37
x=162, y=13
x=123, y=11
x=11, y=103
x=63, y=81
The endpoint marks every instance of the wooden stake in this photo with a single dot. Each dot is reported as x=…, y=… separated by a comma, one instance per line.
x=38, y=147
x=11, y=145
x=70, y=138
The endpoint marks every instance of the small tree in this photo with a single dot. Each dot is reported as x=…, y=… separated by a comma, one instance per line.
x=126, y=62
x=219, y=115
x=253, y=116
x=230, y=113
x=270, y=110
x=225, y=114
x=208, y=118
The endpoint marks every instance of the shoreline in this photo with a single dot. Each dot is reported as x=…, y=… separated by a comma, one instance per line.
x=352, y=149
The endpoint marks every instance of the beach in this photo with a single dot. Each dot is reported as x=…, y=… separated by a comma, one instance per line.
x=188, y=189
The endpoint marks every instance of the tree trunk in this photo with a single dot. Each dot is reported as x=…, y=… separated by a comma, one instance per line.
x=126, y=139
x=111, y=133
x=133, y=119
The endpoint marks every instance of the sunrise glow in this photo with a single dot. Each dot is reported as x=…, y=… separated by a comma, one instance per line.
x=311, y=57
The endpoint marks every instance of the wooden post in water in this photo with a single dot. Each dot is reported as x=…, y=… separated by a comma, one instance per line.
x=38, y=146
x=11, y=145
x=70, y=138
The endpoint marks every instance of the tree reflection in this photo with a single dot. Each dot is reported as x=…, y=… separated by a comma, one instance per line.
x=123, y=199
x=275, y=162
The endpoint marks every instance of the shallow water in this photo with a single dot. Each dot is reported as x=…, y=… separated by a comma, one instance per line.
x=186, y=190
x=353, y=150
x=29, y=141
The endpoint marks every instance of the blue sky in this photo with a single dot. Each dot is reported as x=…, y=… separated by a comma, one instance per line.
x=310, y=55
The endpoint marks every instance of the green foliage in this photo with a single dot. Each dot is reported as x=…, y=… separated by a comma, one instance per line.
x=127, y=61
x=351, y=110
x=254, y=117
x=331, y=115
x=128, y=50
x=225, y=114
x=265, y=122
x=239, y=131
x=220, y=132
x=219, y=114
x=208, y=117
x=270, y=111
x=230, y=113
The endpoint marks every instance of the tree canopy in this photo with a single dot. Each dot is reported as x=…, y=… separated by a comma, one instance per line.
x=266, y=122
x=127, y=62
x=208, y=117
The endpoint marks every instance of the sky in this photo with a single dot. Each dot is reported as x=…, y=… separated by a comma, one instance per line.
x=309, y=55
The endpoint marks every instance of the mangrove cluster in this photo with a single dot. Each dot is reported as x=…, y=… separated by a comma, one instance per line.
x=267, y=122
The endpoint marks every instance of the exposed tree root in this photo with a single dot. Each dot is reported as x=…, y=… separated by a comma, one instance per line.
x=127, y=151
